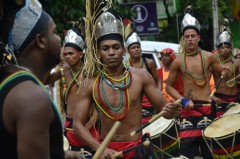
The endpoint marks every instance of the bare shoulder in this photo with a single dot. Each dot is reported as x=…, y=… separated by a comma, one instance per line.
x=208, y=54
x=28, y=102
x=236, y=62
x=212, y=58
x=151, y=63
x=87, y=84
x=29, y=96
x=139, y=73
x=177, y=61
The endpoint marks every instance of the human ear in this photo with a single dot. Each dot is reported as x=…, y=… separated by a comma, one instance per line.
x=41, y=41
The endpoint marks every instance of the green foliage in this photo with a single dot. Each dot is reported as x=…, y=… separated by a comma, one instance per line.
x=203, y=12
x=64, y=12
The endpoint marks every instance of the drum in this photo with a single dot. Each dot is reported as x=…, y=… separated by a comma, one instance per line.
x=164, y=134
x=233, y=110
x=223, y=137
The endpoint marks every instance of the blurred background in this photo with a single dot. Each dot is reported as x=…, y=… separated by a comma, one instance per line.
x=158, y=20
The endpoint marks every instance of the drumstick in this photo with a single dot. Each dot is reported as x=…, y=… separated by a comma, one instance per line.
x=217, y=85
x=106, y=140
x=120, y=154
x=209, y=104
x=151, y=120
x=233, y=79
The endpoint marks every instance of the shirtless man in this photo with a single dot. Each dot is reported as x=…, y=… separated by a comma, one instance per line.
x=194, y=65
x=115, y=91
x=71, y=75
x=226, y=91
x=133, y=46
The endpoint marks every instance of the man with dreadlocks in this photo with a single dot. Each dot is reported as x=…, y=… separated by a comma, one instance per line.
x=227, y=91
x=30, y=125
x=115, y=91
x=195, y=67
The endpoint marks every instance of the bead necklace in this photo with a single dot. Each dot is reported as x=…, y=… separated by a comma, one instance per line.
x=193, y=53
x=122, y=87
x=109, y=80
x=225, y=61
x=193, y=77
x=233, y=83
x=73, y=81
x=63, y=80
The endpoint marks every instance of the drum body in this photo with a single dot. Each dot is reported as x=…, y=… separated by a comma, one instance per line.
x=233, y=110
x=164, y=134
x=223, y=137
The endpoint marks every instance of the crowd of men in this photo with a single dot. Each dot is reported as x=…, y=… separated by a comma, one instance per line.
x=97, y=88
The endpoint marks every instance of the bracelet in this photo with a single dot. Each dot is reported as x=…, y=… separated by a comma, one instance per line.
x=184, y=101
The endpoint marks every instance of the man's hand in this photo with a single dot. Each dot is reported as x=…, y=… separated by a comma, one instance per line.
x=172, y=110
x=108, y=154
x=216, y=99
x=73, y=155
x=226, y=73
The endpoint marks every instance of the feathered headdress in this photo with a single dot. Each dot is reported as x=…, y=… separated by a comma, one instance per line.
x=225, y=34
x=102, y=23
x=74, y=37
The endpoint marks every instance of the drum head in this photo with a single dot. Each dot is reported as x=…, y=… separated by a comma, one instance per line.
x=158, y=126
x=223, y=126
x=234, y=110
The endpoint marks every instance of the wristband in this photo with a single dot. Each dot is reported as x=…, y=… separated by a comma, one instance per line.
x=184, y=101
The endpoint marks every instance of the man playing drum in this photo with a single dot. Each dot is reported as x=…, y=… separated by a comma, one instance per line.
x=133, y=46
x=194, y=65
x=227, y=91
x=115, y=91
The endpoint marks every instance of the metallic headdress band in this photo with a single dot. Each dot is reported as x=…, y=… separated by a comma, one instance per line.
x=133, y=38
x=30, y=20
x=74, y=40
x=224, y=37
x=109, y=26
x=189, y=22
x=225, y=34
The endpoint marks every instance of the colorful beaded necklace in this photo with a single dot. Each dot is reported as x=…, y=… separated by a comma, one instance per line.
x=193, y=77
x=233, y=83
x=63, y=80
x=103, y=104
x=73, y=81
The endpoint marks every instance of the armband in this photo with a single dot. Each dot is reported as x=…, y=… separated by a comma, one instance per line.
x=184, y=101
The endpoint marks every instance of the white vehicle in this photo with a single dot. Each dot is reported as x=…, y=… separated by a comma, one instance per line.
x=151, y=49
